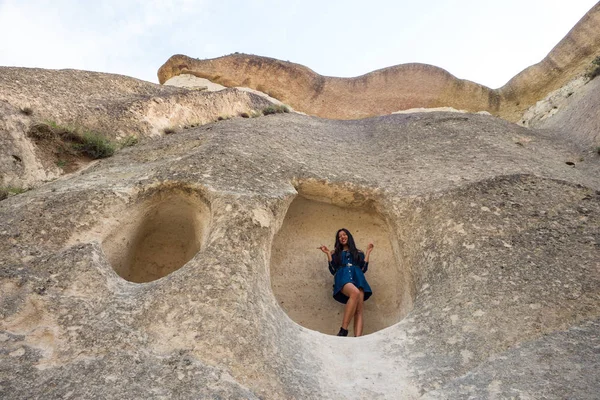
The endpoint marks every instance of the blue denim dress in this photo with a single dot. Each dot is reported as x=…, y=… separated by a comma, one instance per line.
x=349, y=271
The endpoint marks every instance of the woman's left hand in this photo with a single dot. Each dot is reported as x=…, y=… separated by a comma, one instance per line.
x=370, y=248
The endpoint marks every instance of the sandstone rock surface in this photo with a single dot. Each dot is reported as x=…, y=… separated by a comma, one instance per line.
x=575, y=108
x=376, y=93
x=193, y=82
x=115, y=106
x=490, y=268
x=400, y=87
x=568, y=59
x=186, y=266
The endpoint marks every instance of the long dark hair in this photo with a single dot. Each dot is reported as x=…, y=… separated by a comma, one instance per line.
x=337, y=254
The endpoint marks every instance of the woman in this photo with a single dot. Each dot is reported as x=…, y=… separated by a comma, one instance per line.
x=348, y=265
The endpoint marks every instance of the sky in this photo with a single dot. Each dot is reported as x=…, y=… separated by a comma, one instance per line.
x=487, y=42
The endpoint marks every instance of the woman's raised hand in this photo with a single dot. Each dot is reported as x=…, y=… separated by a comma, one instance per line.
x=324, y=249
x=370, y=247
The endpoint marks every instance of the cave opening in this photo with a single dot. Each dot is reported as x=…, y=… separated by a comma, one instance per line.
x=300, y=278
x=158, y=236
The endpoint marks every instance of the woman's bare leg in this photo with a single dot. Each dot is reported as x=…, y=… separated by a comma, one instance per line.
x=358, y=314
x=353, y=296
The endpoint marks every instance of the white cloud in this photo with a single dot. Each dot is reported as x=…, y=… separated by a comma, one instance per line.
x=114, y=36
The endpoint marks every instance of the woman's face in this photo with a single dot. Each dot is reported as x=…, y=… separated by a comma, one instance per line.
x=343, y=238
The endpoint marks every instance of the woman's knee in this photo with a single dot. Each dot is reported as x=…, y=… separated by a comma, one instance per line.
x=351, y=291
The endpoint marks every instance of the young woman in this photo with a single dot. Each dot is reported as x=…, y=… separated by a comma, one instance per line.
x=348, y=265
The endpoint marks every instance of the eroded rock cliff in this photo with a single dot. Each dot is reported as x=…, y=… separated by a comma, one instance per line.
x=377, y=93
x=116, y=107
x=187, y=266
x=400, y=87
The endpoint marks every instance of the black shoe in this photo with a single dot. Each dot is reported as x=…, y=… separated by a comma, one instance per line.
x=343, y=332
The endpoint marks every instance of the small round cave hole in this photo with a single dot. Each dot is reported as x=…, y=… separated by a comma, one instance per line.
x=158, y=236
x=302, y=283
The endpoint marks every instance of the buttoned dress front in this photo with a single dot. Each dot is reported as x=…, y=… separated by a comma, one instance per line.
x=349, y=271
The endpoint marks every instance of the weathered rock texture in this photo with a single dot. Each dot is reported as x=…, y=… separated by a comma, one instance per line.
x=552, y=103
x=575, y=108
x=568, y=59
x=115, y=106
x=377, y=93
x=187, y=266
x=486, y=242
x=400, y=87
x=193, y=82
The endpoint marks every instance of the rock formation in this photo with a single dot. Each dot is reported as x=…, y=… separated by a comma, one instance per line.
x=186, y=265
x=400, y=87
x=568, y=59
x=574, y=108
x=377, y=93
x=115, y=106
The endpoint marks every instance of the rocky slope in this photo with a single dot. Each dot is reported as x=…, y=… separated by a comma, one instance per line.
x=186, y=265
x=377, y=93
x=568, y=59
x=400, y=87
x=115, y=106
x=574, y=109
x=485, y=265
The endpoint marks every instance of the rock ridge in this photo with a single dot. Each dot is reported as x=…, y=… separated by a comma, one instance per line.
x=114, y=106
x=399, y=87
x=494, y=237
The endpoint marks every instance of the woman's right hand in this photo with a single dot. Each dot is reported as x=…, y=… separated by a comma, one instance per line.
x=324, y=249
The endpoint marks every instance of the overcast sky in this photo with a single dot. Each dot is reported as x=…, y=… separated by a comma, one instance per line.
x=482, y=41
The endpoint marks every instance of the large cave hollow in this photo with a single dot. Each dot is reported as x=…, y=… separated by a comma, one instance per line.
x=158, y=236
x=302, y=283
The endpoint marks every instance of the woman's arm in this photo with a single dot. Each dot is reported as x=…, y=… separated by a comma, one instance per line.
x=369, y=250
x=332, y=268
x=365, y=265
x=325, y=250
